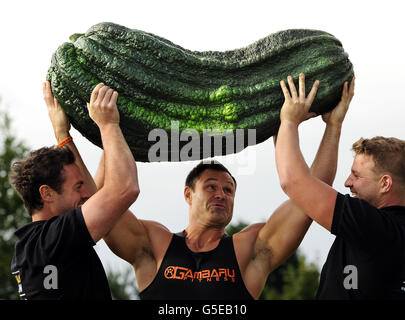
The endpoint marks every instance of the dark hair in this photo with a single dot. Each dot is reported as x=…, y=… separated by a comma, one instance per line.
x=196, y=172
x=388, y=154
x=41, y=167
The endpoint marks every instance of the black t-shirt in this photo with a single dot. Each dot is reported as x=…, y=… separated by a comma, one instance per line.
x=367, y=258
x=55, y=259
x=188, y=275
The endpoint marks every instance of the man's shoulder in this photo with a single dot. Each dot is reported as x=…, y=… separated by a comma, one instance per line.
x=39, y=225
x=155, y=226
x=29, y=228
x=158, y=235
x=345, y=201
x=250, y=231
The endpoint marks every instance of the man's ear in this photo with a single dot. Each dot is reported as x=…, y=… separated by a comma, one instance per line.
x=385, y=183
x=46, y=193
x=188, y=194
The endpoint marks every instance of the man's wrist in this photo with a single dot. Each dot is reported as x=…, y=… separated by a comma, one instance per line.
x=290, y=122
x=109, y=126
x=65, y=141
x=60, y=136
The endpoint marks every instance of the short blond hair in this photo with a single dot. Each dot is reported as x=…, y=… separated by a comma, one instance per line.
x=388, y=155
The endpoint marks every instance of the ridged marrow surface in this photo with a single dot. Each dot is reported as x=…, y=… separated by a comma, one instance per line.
x=164, y=86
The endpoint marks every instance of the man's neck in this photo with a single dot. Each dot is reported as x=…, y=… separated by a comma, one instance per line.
x=200, y=239
x=41, y=215
x=391, y=200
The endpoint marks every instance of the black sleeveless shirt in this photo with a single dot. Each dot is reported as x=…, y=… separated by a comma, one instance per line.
x=188, y=275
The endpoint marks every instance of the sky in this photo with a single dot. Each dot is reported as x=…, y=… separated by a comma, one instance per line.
x=371, y=33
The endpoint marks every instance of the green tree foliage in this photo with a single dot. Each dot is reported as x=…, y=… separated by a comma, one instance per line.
x=12, y=211
x=295, y=279
x=122, y=284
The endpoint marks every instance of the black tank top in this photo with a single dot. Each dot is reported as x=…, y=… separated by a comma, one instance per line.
x=188, y=275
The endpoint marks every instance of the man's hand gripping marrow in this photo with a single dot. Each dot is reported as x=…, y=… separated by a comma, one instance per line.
x=103, y=106
x=296, y=105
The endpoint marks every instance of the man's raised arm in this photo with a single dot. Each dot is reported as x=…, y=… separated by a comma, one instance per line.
x=302, y=187
x=121, y=187
x=280, y=236
x=61, y=128
x=288, y=224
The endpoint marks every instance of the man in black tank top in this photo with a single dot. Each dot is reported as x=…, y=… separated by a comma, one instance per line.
x=212, y=274
x=202, y=262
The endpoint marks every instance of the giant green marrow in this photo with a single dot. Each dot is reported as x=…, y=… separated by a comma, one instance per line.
x=161, y=84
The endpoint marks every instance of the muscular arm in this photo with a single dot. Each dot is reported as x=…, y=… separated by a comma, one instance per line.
x=61, y=129
x=280, y=236
x=307, y=191
x=141, y=243
x=288, y=225
x=129, y=234
x=103, y=208
x=128, y=237
x=121, y=187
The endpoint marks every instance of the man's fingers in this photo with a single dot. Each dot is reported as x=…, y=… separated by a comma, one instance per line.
x=348, y=91
x=293, y=90
x=312, y=93
x=301, y=87
x=101, y=94
x=285, y=90
x=103, y=98
x=95, y=92
x=56, y=103
x=47, y=92
x=44, y=88
x=345, y=92
x=114, y=97
x=351, y=89
x=107, y=97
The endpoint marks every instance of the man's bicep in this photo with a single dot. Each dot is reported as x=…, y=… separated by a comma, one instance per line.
x=128, y=237
x=283, y=232
x=316, y=199
x=101, y=211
